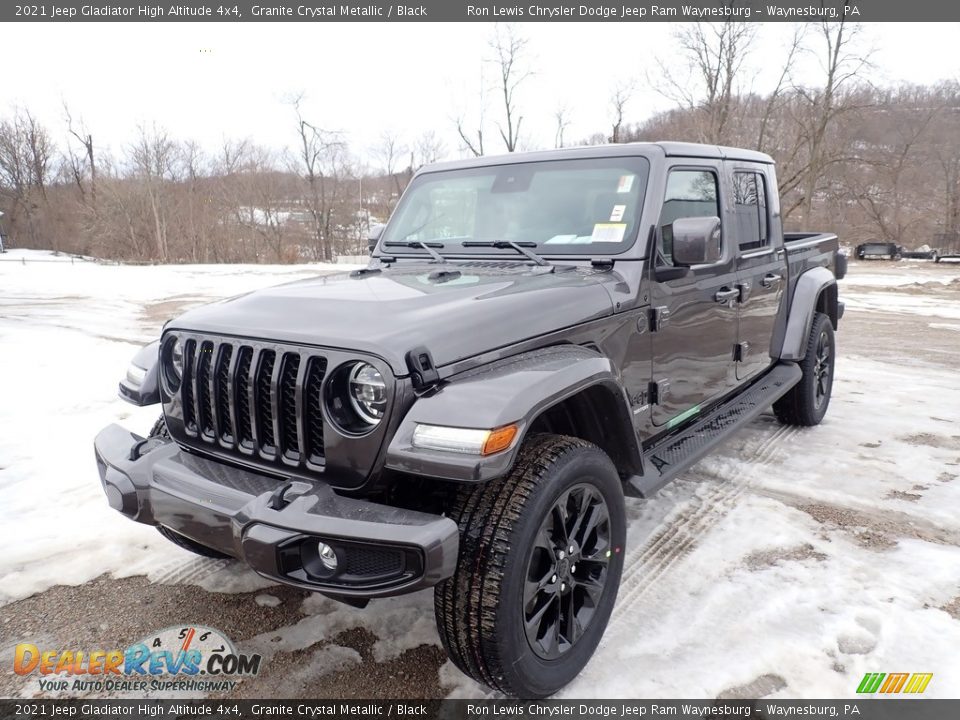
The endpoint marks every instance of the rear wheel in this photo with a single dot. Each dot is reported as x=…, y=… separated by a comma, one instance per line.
x=159, y=430
x=807, y=401
x=541, y=553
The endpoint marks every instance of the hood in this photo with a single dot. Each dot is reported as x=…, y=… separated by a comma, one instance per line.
x=477, y=307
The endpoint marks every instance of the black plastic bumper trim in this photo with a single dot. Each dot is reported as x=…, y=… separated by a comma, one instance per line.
x=234, y=511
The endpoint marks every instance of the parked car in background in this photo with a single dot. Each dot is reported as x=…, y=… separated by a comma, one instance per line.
x=879, y=251
x=924, y=252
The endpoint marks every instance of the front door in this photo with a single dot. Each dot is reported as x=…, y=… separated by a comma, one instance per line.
x=760, y=269
x=693, y=346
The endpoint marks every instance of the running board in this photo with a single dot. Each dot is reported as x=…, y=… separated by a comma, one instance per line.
x=677, y=452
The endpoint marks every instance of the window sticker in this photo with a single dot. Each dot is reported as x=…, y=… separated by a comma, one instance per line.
x=616, y=215
x=625, y=184
x=562, y=240
x=608, y=232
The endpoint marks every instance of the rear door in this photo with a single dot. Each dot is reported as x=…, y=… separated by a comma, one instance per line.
x=760, y=266
x=693, y=345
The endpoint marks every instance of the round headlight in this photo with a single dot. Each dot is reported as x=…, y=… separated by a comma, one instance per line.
x=368, y=393
x=176, y=359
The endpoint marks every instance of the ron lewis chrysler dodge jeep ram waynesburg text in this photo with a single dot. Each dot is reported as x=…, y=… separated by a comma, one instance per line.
x=536, y=336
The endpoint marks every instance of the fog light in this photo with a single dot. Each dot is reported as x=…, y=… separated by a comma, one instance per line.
x=327, y=556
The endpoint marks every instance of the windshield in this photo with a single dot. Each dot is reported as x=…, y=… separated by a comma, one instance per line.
x=566, y=207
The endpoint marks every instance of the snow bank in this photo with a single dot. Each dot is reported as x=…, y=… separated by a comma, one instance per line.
x=67, y=332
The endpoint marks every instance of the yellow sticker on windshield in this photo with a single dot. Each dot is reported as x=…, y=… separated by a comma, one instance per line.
x=608, y=232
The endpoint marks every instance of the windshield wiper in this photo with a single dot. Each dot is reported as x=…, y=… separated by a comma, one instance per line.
x=429, y=247
x=520, y=247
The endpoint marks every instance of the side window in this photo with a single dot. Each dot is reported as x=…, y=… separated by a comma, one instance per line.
x=690, y=193
x=750, y=210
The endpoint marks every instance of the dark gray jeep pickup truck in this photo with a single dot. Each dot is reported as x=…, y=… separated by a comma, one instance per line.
x=536, y=337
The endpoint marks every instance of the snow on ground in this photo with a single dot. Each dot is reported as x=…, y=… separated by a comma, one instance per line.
x=787, y=564
x=67, y=333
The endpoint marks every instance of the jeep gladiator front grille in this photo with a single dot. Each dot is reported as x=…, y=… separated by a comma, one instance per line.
x=255, y=400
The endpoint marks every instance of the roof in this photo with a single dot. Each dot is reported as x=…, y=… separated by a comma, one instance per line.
x=666, y=149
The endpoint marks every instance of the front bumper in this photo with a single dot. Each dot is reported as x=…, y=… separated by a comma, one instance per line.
x=273, y=525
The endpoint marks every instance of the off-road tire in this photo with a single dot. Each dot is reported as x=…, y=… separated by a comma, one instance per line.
x=479, y=610
x=800, y=406
x=159, y=430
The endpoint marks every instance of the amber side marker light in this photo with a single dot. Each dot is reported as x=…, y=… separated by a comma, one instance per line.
x=499, y=439
x=465, y=441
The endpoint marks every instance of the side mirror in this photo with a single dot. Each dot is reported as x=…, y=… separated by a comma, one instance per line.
x=373, y=237
x=696, y=240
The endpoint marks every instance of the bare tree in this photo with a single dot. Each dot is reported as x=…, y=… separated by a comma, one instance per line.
x=561, y=117
x=389, y=151
x=715, y=54
x=154, y=155
x=85, y=138
x=510, y=50
x=26, y=168
x=842, y=65
x=773, y=100
x=427, y=149
x=317, y=151
x=618, y=105
x=472, y=132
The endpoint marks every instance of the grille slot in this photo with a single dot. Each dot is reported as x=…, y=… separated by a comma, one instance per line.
x=265, y=400
x=202, y=384
x=242, y=389
x=257, y=401
x=221, y=393
x=186, y=388
x=287, y=407
x=313, y=412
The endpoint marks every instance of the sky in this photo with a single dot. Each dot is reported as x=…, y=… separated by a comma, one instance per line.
x=211, y=81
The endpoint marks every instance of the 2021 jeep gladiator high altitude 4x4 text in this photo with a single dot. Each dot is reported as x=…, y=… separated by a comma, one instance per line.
x=536, y=336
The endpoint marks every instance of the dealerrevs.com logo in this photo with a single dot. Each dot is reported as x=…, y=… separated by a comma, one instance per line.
x=191, y=658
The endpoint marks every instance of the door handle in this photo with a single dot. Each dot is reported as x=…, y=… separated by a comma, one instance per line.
x=771, y=279
x=726, y=294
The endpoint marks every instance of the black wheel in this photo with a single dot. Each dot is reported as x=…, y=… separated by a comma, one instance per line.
x=159, y=430
x=541, y=553
x=897, y=256
x=807, y=401
x=936, y=257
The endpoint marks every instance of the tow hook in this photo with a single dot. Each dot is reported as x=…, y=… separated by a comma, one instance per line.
x=279, y=500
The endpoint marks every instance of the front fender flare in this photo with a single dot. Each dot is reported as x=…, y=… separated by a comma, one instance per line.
x=513, y=390
x=802, y=309
x=148, y=391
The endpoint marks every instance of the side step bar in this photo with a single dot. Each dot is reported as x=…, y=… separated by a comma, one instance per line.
x=679, y=451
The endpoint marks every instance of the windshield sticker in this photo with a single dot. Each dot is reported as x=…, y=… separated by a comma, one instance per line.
x=616, y=215
x=562, y=240
x=625, y=184
x=608, y=232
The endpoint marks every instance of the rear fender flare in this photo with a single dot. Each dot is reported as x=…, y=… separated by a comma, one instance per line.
x=806, y=298
x=514, y=390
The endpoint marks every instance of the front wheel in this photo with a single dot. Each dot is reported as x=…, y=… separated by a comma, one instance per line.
x=807, y=401
x=541, y=553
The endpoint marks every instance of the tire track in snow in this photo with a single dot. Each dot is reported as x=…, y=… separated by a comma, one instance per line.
x=182, y=573
x=681, y=531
